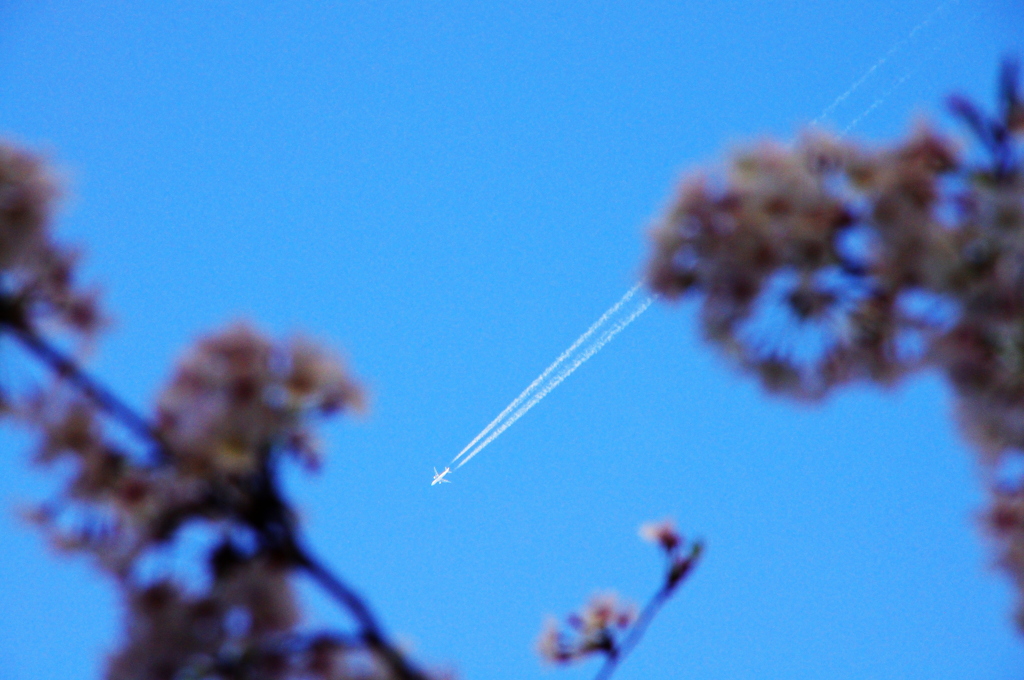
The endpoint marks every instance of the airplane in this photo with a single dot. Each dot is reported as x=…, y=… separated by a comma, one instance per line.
x=439, y=477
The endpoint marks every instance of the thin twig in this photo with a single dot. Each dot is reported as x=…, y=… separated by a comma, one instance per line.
x=66, y=368
x=370, y=632
x=678, y=569
x=636, y=632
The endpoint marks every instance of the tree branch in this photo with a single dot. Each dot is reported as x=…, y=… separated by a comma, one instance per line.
x=66, y=368
x=636, y=632
x=370, y=632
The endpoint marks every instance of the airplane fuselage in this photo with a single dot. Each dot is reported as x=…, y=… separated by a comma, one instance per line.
x=439, y=476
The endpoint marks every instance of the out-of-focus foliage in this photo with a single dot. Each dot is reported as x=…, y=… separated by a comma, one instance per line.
x=199, y=475
x=37, y=277
x=826, y=262
x=237, y=404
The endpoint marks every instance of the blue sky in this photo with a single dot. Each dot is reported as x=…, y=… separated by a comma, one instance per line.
x=451, y=193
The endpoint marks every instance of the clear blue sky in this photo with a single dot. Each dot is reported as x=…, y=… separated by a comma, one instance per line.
x=451, y=192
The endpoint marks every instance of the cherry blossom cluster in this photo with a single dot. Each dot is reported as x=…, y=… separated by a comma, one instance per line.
x=680, y=557
x=825, y=262
x=237, y=404
x=806, y=258
x=182, y=508
x=236, y=397
x=609, y=627
x=594, y=630
x=37, y=274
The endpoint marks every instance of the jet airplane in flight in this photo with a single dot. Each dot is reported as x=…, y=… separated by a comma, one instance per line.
x=439, y=476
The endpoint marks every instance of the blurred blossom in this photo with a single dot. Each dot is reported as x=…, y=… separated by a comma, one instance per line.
x=801, y=255
x=606, y=625
x=315, y=379
x=37, y=275
x=605, y=611
x=662, y=533
x=595, y=629
x=206, y=474
x=237, y=395
x=812, y=261
x=238, y=404
x=551, y=644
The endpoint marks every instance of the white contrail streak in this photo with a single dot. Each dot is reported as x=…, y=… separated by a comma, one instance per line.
x=881, y=62
x=590, y=351
x=878, y=102
x=892, y=88
x=539, y=389
x=562, y=357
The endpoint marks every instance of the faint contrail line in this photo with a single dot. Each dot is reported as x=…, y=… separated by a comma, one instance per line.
x=895, y=85
x=562, y=357
x=562, y=375
x=881, y=62
x=878, y=102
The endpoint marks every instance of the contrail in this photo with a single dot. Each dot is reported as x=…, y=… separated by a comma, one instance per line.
x=562, y=357
x=605, y=338
x=895, y=85
x=878, y=102
x=881, y=62
x=489, y=433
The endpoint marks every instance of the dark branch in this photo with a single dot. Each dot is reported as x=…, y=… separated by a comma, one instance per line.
x=370, y=630
x=679, y=569
x=273, y=520
x=66, y=368
x=636, y=633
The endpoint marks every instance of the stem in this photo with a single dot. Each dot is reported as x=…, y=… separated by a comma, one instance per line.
x=636, y=633
x=66, y=368
x=370, y=632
